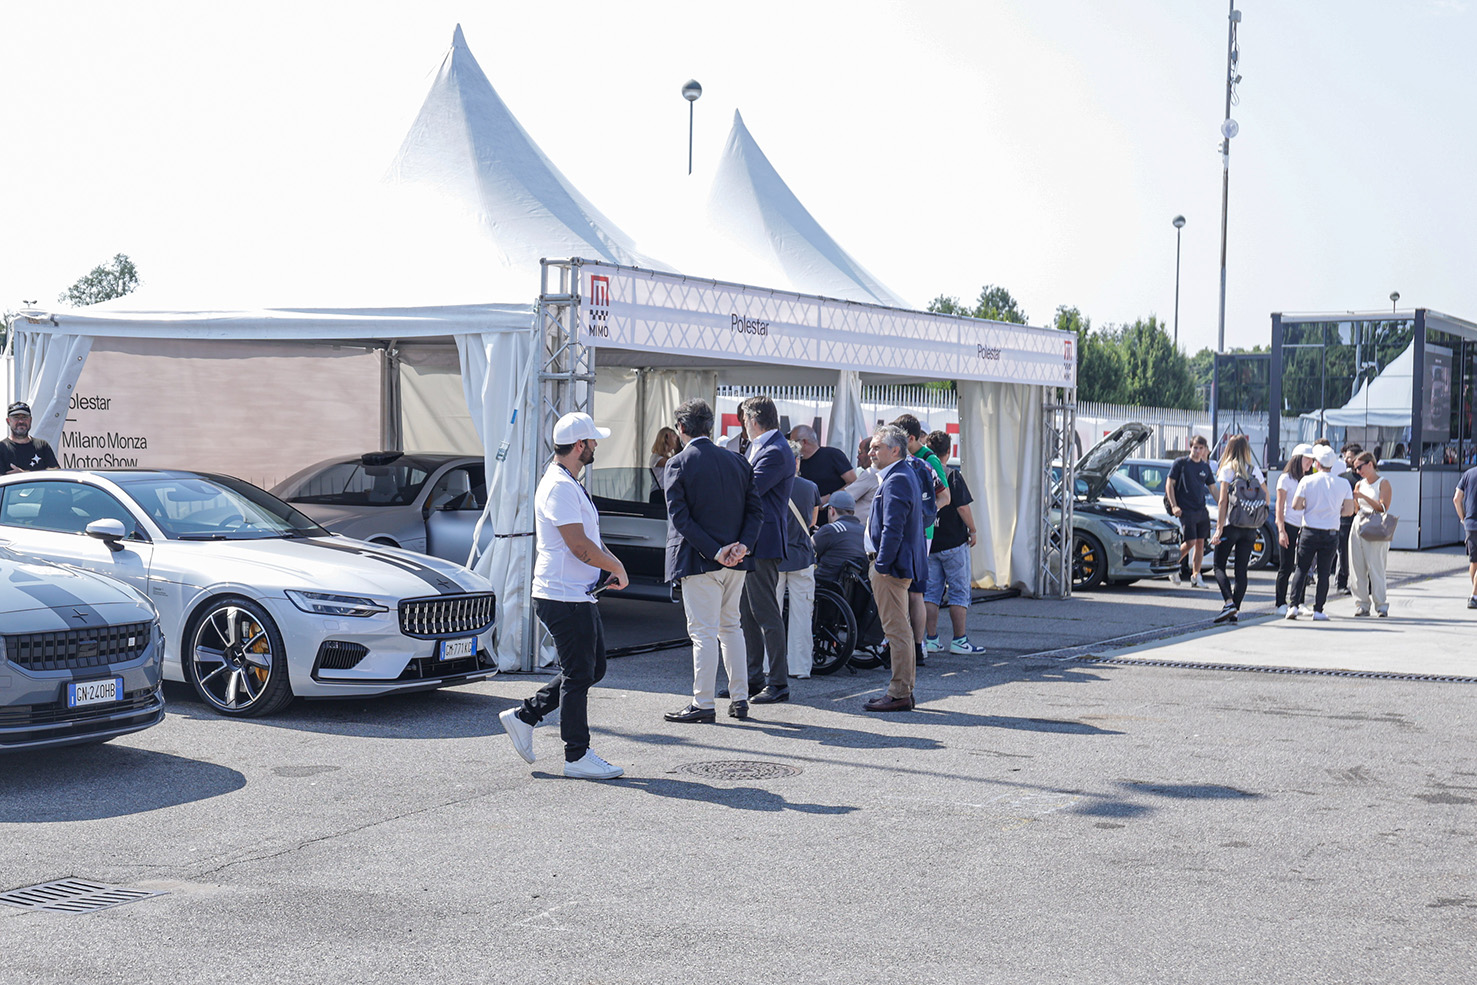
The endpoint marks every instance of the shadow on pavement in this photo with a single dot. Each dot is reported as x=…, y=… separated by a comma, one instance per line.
x=444, y=714
x=739, y=798
x=89, y=783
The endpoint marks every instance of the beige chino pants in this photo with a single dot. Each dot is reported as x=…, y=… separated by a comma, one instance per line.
x=891, y=596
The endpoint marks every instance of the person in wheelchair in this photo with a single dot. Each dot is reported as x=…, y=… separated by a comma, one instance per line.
x=839, y=541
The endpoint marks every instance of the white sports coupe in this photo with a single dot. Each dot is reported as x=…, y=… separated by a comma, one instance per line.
x=257, y=602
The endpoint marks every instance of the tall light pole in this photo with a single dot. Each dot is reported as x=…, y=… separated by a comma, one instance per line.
x=690, y=92
x=1229, y=129
x=1179, y=224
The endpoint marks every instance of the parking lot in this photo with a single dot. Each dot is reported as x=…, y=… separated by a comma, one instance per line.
x=1040, y=818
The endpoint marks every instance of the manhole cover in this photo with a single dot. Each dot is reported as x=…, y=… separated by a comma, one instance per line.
x=73, y=896
x=738, y=770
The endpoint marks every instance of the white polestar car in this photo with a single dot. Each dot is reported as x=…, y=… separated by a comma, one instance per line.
x=257, y=602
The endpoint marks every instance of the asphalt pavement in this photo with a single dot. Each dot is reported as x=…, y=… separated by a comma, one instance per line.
x=1044, y=816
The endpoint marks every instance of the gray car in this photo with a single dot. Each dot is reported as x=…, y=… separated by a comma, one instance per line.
x=81, y=657
x=431, y=503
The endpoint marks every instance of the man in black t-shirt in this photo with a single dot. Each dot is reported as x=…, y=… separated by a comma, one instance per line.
x=1190, y=481
x=949, y=565
x=827, y=467
x=20, y=452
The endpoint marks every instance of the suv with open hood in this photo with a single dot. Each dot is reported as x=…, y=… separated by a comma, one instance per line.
x=1114, y=544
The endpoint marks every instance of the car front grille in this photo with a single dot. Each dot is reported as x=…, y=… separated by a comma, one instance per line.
x=78, y=649
x=447, y=615
x=341, y=655
x=148, y=701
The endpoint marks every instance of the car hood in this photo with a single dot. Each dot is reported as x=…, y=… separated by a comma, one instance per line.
x=1102, y=459
x=360, y=521
x=32, y=586
x=337, y=565
x=1122, y=514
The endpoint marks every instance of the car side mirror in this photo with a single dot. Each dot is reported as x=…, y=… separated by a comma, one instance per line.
x=109, y=531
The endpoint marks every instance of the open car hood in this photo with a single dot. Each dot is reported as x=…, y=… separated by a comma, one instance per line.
x=1103, y=459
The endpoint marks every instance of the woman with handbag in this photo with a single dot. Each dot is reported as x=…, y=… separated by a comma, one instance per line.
x=1369, y=544
x=1241, y=513
x=1289, y=520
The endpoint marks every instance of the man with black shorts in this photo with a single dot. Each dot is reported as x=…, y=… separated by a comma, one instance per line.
x=1190, y=482
x=20, y=452
x=1465, y=501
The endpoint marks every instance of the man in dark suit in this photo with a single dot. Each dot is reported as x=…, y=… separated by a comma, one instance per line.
x=899, y=555
x=760, y=613
x=713, y=520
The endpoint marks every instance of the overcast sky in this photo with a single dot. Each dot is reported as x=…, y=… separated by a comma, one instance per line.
x=1044, y=145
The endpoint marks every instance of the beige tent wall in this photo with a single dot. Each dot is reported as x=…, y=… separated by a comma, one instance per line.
x=617, y=403
x=256, y=410
x=1000, y=435
x=433, y=406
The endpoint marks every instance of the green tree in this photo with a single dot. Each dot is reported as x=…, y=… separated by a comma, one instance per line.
x=994, y=303
x=103, y=283
x=1157, y=374
x=1102, y=372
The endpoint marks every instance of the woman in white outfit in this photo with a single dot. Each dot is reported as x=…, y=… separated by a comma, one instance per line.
x=1367, y=557
x=1289, y=520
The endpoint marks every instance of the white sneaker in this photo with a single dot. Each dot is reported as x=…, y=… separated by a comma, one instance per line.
x=1320, y=617
x=520, y=733
x=1195, y=582
x=963, y=644
x=1293, y=612
x=1282, y=610
x=931, y=644
x=1175, y=578
x=591, y=767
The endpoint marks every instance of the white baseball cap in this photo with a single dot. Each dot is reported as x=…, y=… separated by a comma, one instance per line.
x=1327, y=458
x=577, y=427
x=1302, y=451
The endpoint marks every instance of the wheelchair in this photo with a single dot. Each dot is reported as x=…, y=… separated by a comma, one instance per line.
x=845, y=626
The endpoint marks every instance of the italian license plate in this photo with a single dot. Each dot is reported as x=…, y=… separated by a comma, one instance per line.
x=458, y=649
x=83, y=693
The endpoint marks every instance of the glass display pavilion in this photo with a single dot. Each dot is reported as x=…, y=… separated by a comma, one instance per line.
x=1399, y=383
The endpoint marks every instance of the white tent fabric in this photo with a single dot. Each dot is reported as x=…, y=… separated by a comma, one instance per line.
x=755, y=209
x=467, y=147
x=1000, y=434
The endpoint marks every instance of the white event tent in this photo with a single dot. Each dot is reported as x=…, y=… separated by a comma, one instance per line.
x=489, y=203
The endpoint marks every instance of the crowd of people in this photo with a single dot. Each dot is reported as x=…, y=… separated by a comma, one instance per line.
x=751, y=523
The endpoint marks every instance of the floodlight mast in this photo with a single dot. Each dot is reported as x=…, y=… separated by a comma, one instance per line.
x=1179, y=224
x=1229, y=129
x=690, y=92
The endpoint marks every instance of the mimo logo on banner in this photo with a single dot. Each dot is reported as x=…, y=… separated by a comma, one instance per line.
x=598, y=310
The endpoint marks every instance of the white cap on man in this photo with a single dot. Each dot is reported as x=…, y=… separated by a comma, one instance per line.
x=577, y=427
x=1327, y=458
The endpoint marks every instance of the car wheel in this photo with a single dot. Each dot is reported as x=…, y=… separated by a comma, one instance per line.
x=1089, y=562
x=1262, y=550
x=234, y=657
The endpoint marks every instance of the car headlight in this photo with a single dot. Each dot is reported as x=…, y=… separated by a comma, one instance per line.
x=1129, y=529
x=324, y=604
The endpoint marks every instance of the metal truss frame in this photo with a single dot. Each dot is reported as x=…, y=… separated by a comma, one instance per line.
x=1058, y=426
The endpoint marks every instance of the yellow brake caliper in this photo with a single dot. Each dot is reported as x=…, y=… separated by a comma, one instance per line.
x=260, y=646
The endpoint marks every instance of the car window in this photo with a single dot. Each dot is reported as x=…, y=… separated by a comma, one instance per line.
x=63, y=507
x=215, y=507
x=1152, y=477
x=460, y=488
x=1123, y=486
x=357, y=484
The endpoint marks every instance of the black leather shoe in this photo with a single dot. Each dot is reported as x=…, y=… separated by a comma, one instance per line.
x=738, y=709
x=692, y=713
x=771, y=695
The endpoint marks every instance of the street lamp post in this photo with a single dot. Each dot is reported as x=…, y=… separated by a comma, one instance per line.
x=1394, y=296
x=690, y=92
x=1179, y=224
x=1229, y=129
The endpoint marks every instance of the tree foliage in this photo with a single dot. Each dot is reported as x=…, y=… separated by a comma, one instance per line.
x=103, y=283
x=994, y=303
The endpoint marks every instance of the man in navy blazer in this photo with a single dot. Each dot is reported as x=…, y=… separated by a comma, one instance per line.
x=713, y=521
x=899, y=555
x=761, y=616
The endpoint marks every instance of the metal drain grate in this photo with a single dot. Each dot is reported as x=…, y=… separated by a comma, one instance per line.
x=1375, y=675
x=738, y=770
x=73, y=896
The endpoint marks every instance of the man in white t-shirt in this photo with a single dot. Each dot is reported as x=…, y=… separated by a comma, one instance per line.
x=565, y=575
x=1323, y=498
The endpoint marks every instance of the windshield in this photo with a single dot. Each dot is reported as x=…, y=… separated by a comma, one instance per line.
x=216, y=507
x=1123, y=486
x=357, y=484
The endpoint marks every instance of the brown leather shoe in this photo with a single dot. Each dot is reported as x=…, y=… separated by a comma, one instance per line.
x=885, y=703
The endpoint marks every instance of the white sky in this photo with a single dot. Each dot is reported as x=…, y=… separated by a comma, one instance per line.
x=1043, y=145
